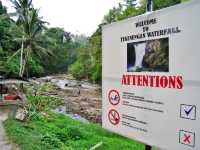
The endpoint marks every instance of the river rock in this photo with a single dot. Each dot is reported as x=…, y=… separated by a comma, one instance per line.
x=21, y=114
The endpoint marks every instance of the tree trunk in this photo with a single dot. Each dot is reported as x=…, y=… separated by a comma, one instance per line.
x=21, y=58
x=25, y=62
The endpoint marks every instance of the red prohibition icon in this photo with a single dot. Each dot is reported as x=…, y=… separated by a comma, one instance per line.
x=114, y=97
x=113, y=117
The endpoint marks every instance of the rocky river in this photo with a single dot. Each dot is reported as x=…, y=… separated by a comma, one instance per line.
x=82, y=100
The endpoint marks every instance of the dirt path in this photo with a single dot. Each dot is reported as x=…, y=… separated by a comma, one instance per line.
x=4, y=143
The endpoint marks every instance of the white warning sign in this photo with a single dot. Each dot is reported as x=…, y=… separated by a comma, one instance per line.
x=151, y=78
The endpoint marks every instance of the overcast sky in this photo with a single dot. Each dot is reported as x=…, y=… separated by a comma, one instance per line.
x=76, y=16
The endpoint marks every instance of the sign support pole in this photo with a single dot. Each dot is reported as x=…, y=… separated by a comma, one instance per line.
x=1, y=90
x=149, y=9
x=148, y=147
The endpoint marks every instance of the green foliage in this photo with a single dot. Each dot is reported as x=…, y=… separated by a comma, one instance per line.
x=46, y=51
x=45, y=88
x=159, y=4
x=59, y=42
x=88, y=63
x=113, y=15
x=184, y=0
x=35, y=67
x=13, y=66
x=82, y=67
x=96, y=72
x=77, y=70
x=32, y=25
x=90, y=67
x=43, y=103
x=53, y=50
x=39, y=104
x=2, y=9
x=51, y=141
x=74, y=133
x=8, y=31
x=62, y=133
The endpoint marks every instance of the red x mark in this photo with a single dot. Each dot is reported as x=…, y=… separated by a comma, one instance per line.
x=186, y=138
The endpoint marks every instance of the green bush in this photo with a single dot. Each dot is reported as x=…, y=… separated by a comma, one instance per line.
x=62, y=135
x=47, y=133
x=38, y=104
x=42, y=103
x=35, y=67
x=12, y=66
x=51, y=141
x=96, y=73
x=74, y=133
x=77, y=70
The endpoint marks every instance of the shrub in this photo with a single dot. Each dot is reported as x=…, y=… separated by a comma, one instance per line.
x=37, y=104
x=51, y=141
x=42, y=103
x=62, y=135
x=77, y=70
x=74, y=133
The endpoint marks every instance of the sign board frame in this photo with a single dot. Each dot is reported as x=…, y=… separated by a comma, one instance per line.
x=158, y=102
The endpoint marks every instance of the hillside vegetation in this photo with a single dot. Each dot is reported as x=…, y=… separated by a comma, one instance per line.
x=54, y=50
x=58, y=132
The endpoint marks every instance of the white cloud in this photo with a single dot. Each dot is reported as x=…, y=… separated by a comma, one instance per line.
x=76, y=16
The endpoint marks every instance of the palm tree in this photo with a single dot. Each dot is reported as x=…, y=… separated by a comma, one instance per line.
x=31, y=25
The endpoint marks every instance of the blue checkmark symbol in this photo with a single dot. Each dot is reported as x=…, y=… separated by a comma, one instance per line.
x=188, y=110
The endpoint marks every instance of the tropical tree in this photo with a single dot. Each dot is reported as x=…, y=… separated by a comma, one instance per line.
x=113, y=15
x=31, y=26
